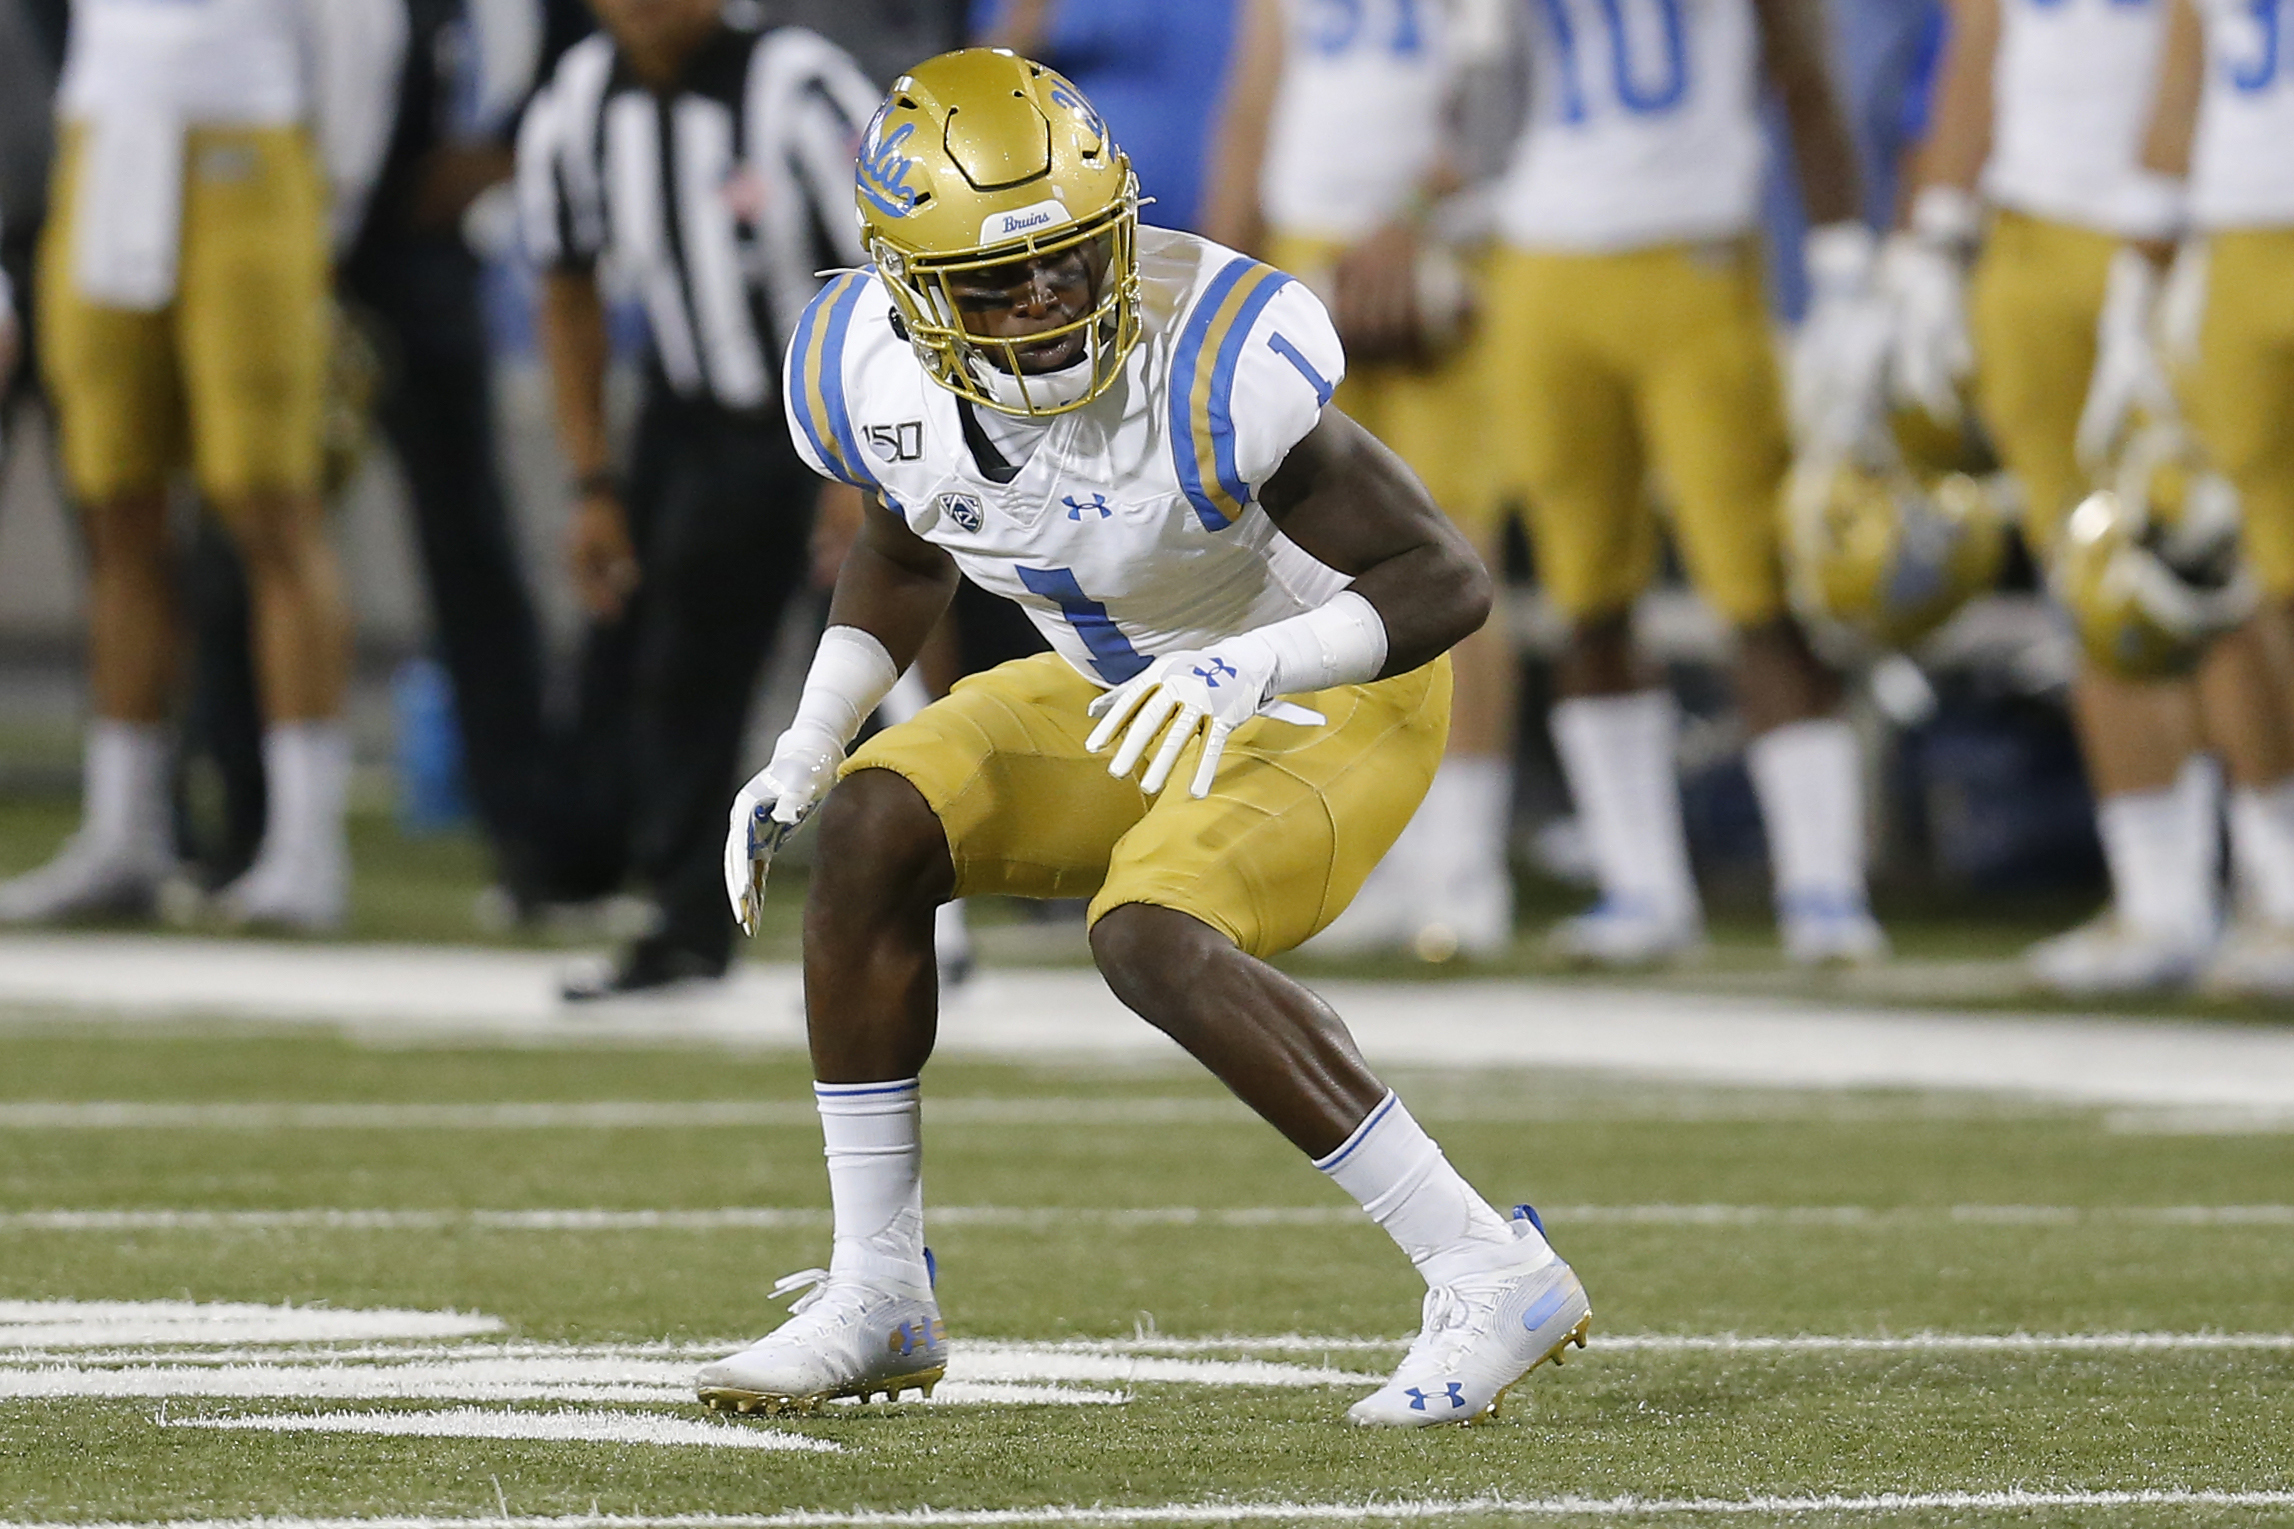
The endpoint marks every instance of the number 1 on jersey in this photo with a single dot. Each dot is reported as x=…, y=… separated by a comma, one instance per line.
x=1111, y=652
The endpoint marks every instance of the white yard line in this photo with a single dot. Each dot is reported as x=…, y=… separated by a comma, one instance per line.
x=88, y=1324
x=572, y=1425
x=588, y=1115
x=2009, y=1501
x=1758, y=1042
x=1037, y=1218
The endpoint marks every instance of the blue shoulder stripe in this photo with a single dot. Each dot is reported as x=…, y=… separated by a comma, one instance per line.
x=816, y=365
x=1203, y=384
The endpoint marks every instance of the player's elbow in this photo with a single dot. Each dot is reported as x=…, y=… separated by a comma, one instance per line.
x=1463, y=597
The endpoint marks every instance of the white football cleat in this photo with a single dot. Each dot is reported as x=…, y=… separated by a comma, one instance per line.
x=2104, y=956
x=1478, y=1337
x=2255, y=960
x=844, y=1337
x=1625, y=934
x=299, y=894
x=1830, y=931
x=87, y=879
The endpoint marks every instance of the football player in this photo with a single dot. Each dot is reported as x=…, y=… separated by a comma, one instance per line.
x=212, y=157
x=1127, y=431
x=1338, y=161
x=2223, y=123
x=2040, y=119
x=1628, y=333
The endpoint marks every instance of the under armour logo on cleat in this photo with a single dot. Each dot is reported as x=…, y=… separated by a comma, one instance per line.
x=1075, y=511
x=1209, y=674
x=1456, y=1398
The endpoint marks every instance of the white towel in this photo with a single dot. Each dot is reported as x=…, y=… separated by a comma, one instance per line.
x=130, y=209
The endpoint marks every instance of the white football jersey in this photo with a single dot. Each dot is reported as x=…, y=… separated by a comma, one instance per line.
x=1133, y=529
x=237, y=61
x=2242, y=163
x=1358, y=120
x=2071, y=93
x=1643, y=126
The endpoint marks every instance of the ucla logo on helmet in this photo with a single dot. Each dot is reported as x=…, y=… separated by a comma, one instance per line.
x=963, y=509
x=1062, y=96
x=884, y=169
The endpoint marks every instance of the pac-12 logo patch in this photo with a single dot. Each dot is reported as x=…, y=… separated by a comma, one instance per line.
x=963, y=509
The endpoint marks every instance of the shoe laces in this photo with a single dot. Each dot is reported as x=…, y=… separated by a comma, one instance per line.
x=1448, y=1324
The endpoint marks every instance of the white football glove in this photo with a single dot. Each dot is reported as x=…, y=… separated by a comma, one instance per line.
x=1840, y=354
x=2182, y=307
x=1929, y=352
x=1211, y=691
x=770, y=807
x=2127, y=376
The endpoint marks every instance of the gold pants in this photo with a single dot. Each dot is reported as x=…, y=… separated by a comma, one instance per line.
x=1296, y=817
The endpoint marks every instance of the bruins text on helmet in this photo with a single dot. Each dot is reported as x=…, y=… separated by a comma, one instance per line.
x=982, y=160
x=2148, y=566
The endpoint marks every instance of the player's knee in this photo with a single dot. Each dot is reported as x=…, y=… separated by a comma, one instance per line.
x=275, y=532
x=880, y=845
x=1146, y=952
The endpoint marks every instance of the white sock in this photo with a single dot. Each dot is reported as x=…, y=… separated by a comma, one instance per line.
x=2262, y=848
x=306, y=779
x=1402, y=1179
x=1810, y=781
x=124, y=787
x=951, y=936
x=1471, y=803
x=2163, y=850
x=1617, y=751
x=873, y=1134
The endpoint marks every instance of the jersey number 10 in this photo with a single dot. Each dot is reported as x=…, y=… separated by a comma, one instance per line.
x=1640, y=89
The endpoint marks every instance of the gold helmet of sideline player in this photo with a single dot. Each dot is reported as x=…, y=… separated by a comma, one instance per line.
x=1885, y=550
x=2148, y=566
x=981, y=159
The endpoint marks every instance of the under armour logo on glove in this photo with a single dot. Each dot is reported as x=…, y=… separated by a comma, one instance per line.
x=1209, y=674
x=1456, y=1398
x=1184, y=696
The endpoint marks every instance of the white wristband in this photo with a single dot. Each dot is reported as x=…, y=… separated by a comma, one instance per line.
x=1341, y=643
x=1840, y=256
x=2152, y=206
x=850, y=674
x=1947, y=215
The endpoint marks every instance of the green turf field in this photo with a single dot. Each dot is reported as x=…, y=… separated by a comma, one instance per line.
x=1167, y=1309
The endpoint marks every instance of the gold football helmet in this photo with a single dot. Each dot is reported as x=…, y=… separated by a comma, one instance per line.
x=2148, y=566
x=1885, y=551
x=982, y=159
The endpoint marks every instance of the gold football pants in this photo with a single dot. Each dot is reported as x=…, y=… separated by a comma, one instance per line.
x=1296, y=817
x=2241, y=391
x=1599, y=366
x=230, y=375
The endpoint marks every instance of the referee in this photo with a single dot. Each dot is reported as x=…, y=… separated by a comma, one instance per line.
x=706, y=161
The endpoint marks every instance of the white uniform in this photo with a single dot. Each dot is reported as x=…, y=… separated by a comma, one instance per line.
x=1133, y=529
x=2072, y=89
x=140, y=72
x=2242, y=163
x=1357, y=122
x=1643, y=127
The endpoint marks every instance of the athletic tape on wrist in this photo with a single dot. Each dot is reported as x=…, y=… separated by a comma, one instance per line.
x=851, y=672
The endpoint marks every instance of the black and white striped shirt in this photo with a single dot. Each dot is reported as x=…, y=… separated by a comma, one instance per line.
x=715, y=203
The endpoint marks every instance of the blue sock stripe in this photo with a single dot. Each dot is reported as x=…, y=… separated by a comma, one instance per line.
x=1361, y=1133
x=863, y=1090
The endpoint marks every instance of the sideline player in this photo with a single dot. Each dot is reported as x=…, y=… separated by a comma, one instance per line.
x=1125, y=430
x=2041, y=115
x=2224, y=119
x=1336, y=159
x=1628, y=331
x=206, y=152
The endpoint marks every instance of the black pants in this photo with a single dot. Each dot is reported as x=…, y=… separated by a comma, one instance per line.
x=720, y=507
x=439, y=416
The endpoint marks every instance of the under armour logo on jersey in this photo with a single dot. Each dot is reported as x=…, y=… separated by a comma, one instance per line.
x=1209, y=673
x=1075, y=511
x=963, y=509
x=1456, y=1390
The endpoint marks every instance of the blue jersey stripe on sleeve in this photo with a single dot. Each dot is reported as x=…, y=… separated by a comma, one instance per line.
x=1186, y=362
x=816, y=368
x=1221, y=422
x=839, y=323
